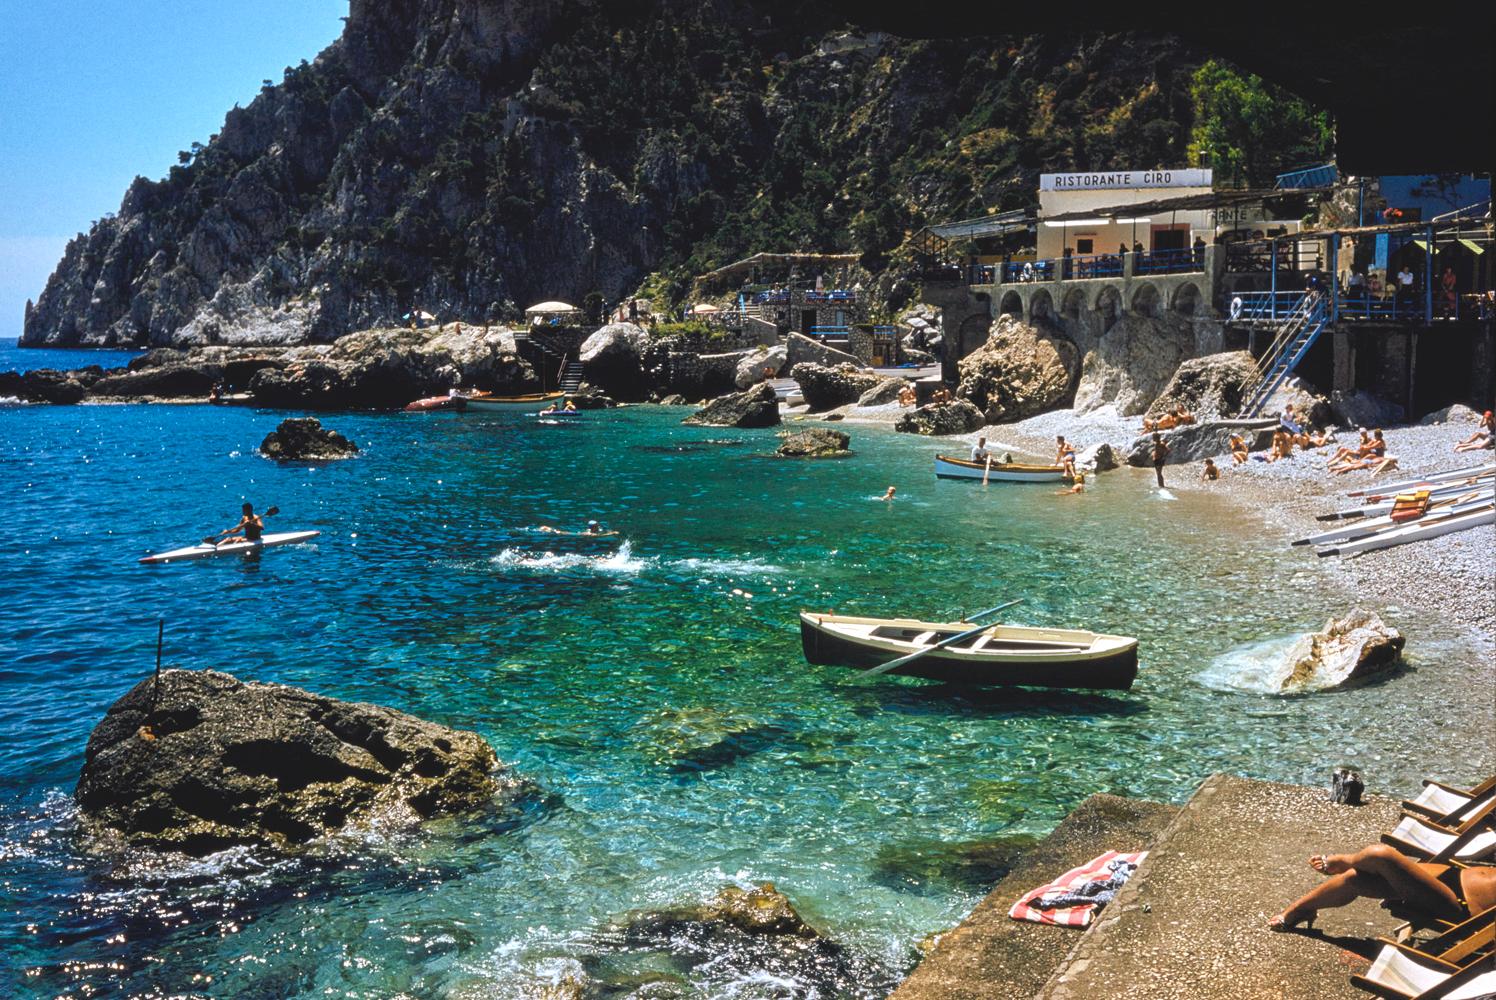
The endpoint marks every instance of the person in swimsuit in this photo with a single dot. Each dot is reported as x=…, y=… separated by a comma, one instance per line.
x=1160, y=455
x=1065, y=456
x=1379, y=872
x=249, y=523
x=1211, y=473
x=1238, y=449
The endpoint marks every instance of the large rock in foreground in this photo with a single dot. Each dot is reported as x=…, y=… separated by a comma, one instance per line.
x=208, y=762
x=1208, y=387
x=1016, y=373
x=825, y=388
x=304, y=439
x=613, y=360
x=757, y=407
x=1346, y=651
x=956, y=417
x=1197, y=442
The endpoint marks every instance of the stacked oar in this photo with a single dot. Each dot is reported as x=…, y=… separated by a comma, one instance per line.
x=1446, y=502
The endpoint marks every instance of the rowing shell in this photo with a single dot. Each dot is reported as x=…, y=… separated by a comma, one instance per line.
x=1416, y=531
x=1454, y=505
x=205, y=551
x=1435, y=493
x=947, y=467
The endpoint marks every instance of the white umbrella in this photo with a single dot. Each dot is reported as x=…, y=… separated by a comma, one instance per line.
x=550, y=308
x=706, y=307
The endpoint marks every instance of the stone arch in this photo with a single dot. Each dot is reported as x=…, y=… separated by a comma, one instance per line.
x=1041, y=307
x=1074, y=303
x=1108, y=306
x=1187, y=299
x=1146, y=301
x=1012, y=305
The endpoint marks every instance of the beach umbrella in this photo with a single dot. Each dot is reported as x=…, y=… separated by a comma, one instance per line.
x=706, y=308
x=551, y=308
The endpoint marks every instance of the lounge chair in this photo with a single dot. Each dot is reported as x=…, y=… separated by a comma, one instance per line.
x=1471, y=840
x=1456, y=965
x=1446, y=804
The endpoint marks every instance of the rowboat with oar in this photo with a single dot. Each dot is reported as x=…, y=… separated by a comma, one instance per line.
x=998, y=656
x=947, y=467
x=1428, y=526
x=509, y=404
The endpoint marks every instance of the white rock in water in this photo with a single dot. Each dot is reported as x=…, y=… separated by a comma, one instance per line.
x=1342, y=653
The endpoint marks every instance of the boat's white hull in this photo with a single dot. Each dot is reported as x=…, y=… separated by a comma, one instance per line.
x=206, y=551
x=1468, y=501
x=1387, y=489
x=1435, y=493
x=1415, y=531
x=1006, y=472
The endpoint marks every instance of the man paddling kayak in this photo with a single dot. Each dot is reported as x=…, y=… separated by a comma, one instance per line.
x=251, y=524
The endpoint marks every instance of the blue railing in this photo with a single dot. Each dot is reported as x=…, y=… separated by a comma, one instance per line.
x=981, y=274
x=830, y=331
x=1097, y=265
x=1395, y=308
x=1038, y=270
x=1311, y=177
x=1263, y=306
x=1170, y=261
x=831, y=295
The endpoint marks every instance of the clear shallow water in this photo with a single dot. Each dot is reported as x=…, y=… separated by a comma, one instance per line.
x=17, y=359
x=654, y=688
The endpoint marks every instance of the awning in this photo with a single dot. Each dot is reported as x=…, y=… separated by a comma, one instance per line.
x=1472, y=246
x=1420, y=244
x=548, y=308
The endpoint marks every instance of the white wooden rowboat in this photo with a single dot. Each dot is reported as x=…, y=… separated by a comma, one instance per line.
x=947, y=467
x=1387, y=489
x=1415, y=531
x=509, y=404
x=1464, y=502
x=1435, y=493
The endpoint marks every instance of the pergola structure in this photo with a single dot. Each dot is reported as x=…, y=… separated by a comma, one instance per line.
x=751, y=265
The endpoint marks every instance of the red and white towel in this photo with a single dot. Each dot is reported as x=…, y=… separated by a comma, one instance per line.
x=1072, y=881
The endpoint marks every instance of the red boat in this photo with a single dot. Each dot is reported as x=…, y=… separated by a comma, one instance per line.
x=431, y=403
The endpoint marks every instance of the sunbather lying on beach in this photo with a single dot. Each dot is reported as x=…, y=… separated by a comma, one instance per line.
x=1379, y=872
x=1372, y=456
x=1358, y=451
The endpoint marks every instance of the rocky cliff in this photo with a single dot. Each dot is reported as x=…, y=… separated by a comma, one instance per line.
x=469, y=157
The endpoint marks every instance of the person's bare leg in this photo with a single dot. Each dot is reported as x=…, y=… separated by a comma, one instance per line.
x=1414, y=883
x=1337, y=890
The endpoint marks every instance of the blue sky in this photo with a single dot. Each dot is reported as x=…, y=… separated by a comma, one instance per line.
x=95, y=92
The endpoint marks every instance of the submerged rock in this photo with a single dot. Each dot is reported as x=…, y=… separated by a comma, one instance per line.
x=818, y=442
x=208, y=761
x=824, y=388
x=956, y=417
x=756, y=407
x=762, y=910
x=304, y=439
x=1344, y=652
x=1016, y=373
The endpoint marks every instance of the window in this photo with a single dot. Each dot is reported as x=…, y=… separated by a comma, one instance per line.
x=1085, y=244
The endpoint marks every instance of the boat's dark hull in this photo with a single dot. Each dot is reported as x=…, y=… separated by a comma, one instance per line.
x=1111, y=671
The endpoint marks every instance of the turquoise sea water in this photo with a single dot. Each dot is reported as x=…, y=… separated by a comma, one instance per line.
x=654, y=688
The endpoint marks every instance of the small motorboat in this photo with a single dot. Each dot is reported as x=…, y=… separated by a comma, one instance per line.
x=998, y=656
x=508, y=404
x=207, y=550
x=947, y=467
x=432, y=403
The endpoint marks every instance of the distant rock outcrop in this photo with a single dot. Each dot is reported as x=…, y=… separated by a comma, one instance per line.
x=1209, y=387
x=43, y=385
x=205, y=761
x=756, y=407
x=825, y=388
x=1017, y=373
x=956, y=417
x=304, y=439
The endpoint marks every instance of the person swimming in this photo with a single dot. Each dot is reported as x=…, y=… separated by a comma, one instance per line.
x=889, y=495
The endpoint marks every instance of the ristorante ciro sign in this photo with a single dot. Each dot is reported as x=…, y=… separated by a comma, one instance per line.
x=1111, y=180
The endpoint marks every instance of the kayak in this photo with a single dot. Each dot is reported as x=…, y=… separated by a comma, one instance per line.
x=203, y=550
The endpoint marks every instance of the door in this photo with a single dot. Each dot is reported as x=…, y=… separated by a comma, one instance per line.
x=807, y=321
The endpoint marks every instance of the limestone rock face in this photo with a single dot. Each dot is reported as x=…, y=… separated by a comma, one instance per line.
x=756, y=407
x=1098, y=457
x=1132, y=362
x=1208, y=387
x=825, y=388
x=304, y=439
x=750, y=370
x=208, y=762
x=1344, y=652
x=956, y=417
x=613, y=360
x=818, y=442
x=800, y=349
x=1016, y=373
x=1197, y=442
x=885, y=392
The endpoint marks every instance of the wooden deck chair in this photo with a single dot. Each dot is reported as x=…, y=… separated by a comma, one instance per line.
x=1458, y=944
x=1471, y=840
x=1400, y=973
x=1445, y=804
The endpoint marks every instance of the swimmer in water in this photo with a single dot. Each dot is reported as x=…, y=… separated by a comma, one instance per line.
x=889, y=495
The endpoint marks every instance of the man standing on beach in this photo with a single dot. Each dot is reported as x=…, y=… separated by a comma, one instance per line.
x=1160, y=453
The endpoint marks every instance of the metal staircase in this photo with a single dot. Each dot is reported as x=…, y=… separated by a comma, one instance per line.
x=571, y=376
x=1295, y=336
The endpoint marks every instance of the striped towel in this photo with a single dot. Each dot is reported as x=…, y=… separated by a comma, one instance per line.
x=1089, y=880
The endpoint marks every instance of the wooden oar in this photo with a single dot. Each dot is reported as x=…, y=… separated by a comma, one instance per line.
x=988, y=471
x=895, y=664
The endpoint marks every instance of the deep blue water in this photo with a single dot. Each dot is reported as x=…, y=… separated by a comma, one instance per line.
x=655, y=689
x=18, y=359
